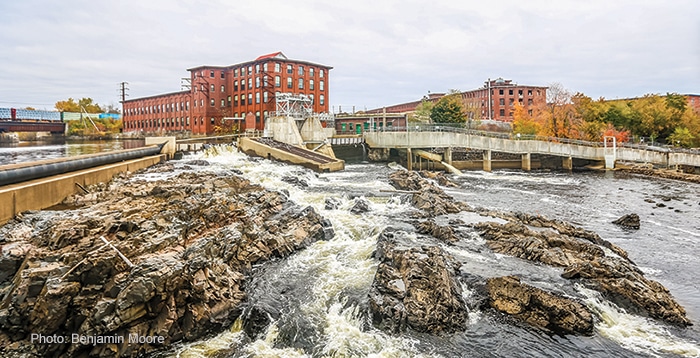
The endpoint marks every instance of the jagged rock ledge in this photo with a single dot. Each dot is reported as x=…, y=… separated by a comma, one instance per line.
x=192, y=239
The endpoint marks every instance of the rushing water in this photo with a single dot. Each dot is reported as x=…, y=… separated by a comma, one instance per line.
x=321, y=292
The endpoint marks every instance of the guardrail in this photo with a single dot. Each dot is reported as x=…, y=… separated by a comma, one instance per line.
x=503, y=135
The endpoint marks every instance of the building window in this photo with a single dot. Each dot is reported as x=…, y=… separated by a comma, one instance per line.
x=529, y=92
x=212, y=120
x=520, y=92
x=235, y=100
x=321, y=100
x=502, y=112
x=320, y=73
x=201, y=102
x=265, y=67
x=278, y=81
x=278, y=67
x=257, y=82
x=211, y=74
x=211, y=102
x=235, y=85
x=222, y=75
x=229, y=100
x=223, y=103
x=500, y=91
x=257, y=68
x=265, y=97
x=511, y=102
x=212, y=88
x=257, y=116
x=289, y=69
x=539, y=93
x=265, y=81
x=300, y=70
x=235, y=72
x=242, y=99
x=320, y=85
x=510, y=92
x=250, y=83
x=257, y=97
x=250, y=98
x=311, y=72
x=289, y=82
x=242, y=71
x=312, y=98
x=223, y=88
x=301, y=83
x=242, y=85
x=250, y=70
x=529, y=102
x=502, y=101
x=188, y=121
x=311, y=85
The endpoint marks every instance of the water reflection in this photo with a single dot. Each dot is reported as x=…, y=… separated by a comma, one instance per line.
x=12, y=153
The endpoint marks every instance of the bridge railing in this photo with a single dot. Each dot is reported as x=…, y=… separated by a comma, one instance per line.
x=460, y=128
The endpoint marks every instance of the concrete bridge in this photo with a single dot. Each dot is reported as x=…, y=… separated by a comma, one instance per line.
x=448, y=138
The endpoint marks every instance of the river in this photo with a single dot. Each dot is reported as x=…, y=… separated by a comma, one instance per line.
x=13, y=153
x=321, y=291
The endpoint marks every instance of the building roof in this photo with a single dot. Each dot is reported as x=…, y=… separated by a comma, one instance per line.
x=278, y=54
x=271, y=56
x=158, y=95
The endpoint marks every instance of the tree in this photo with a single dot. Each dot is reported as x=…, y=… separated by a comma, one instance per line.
x=523, y=122
x=422, y=112
x=71, y=106
x=681, y=137
x=558, y=98
x=449, y=109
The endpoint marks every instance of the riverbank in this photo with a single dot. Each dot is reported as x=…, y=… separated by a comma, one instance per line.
x=662, y=173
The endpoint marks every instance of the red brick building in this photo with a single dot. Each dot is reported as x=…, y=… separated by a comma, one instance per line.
x=246, y=89
x=495, y=100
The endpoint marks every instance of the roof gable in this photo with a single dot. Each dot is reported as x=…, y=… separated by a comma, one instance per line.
x=279, y=55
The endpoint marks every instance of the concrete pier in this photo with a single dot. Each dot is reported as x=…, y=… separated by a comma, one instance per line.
x=567, y=163
x=487, y=161
x=526, y=162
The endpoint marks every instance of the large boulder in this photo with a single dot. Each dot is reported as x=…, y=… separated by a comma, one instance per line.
x=539, y=308
x=629, y=221
x=416, y=287
x=426, y=196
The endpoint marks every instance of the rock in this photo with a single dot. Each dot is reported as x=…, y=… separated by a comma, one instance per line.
x=301, y=183
x=198, y=162
x=539, y=308
x=442, y=233
x=361, y=206
x=428, y=198
x=416, y=288
x=629, y=221
x=332, y=204
x=192, y=240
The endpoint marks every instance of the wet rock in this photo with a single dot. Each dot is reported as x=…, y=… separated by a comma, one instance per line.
x=192, y=240
x=427, y=197
x=332, y=203
x=442, y=233
x=301, y=183
x=416, y=287
x=198, y=163
x=361, y=206
x=539, y=308
x=629, y=221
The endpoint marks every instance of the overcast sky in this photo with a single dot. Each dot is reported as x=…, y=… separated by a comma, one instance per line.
x=383, y=52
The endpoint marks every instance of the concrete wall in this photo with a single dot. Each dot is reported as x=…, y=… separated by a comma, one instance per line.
x=284, y=129
x=46, y=192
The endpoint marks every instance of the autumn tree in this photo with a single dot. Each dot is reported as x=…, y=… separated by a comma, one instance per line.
x=422, y=112
x=449, y=109
x=524, y=123
x=71, y=106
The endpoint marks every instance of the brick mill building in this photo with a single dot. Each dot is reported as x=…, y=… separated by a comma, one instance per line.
x=219, y=96
x=495, y=100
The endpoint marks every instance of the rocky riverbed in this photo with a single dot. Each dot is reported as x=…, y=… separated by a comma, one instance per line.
x=188, y=243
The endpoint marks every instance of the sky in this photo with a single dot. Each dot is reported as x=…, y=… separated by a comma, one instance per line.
x=383, y=52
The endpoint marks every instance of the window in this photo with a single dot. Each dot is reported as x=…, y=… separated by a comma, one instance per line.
x=250, y=83
x=278, y=81
x=289, y=82
x=242, y=71
x=320, y=85
x=242, y=85
x=211, y=74
x=500, y=91
x=511, y=102
x=321, y=100
x=257, y=97
x=312, y=98
x=222, y=75
x=529, y=92
x=510, y=92
x=301, y=83
x=502, y=112
x=529, y=102
x=265, y=81
x=223, y=103
x=229, y=100
x=250, y=70
x=242, y=99
x=311, y=72
x=257, y=68
x=257, y=116
x=250, y=98
x=300, y=70
x=223, y=88
x=212, y=120
x=257, y=82
x=520, y=92
x=289, y=69
x=265, y=67
x=502, y=102
x=265, y=97
x=211, y=102
x=311, y=84
x=320, y=73
x=201, y=102
x=212, y=88
x=235, y=72
x=235, y=85
x=188, y=121
x=278, y=67
x=235, y=100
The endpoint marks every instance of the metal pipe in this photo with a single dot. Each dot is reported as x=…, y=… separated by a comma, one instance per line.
x=18, y=175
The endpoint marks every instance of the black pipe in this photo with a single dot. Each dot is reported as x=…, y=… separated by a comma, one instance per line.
x=18, y=175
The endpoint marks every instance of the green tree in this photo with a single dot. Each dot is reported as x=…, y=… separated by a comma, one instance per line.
x=422, y=112
x=71, y=106
x=682, y=137
x=449, y=109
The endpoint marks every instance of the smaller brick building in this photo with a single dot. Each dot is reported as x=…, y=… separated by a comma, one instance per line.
x=495, y=100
